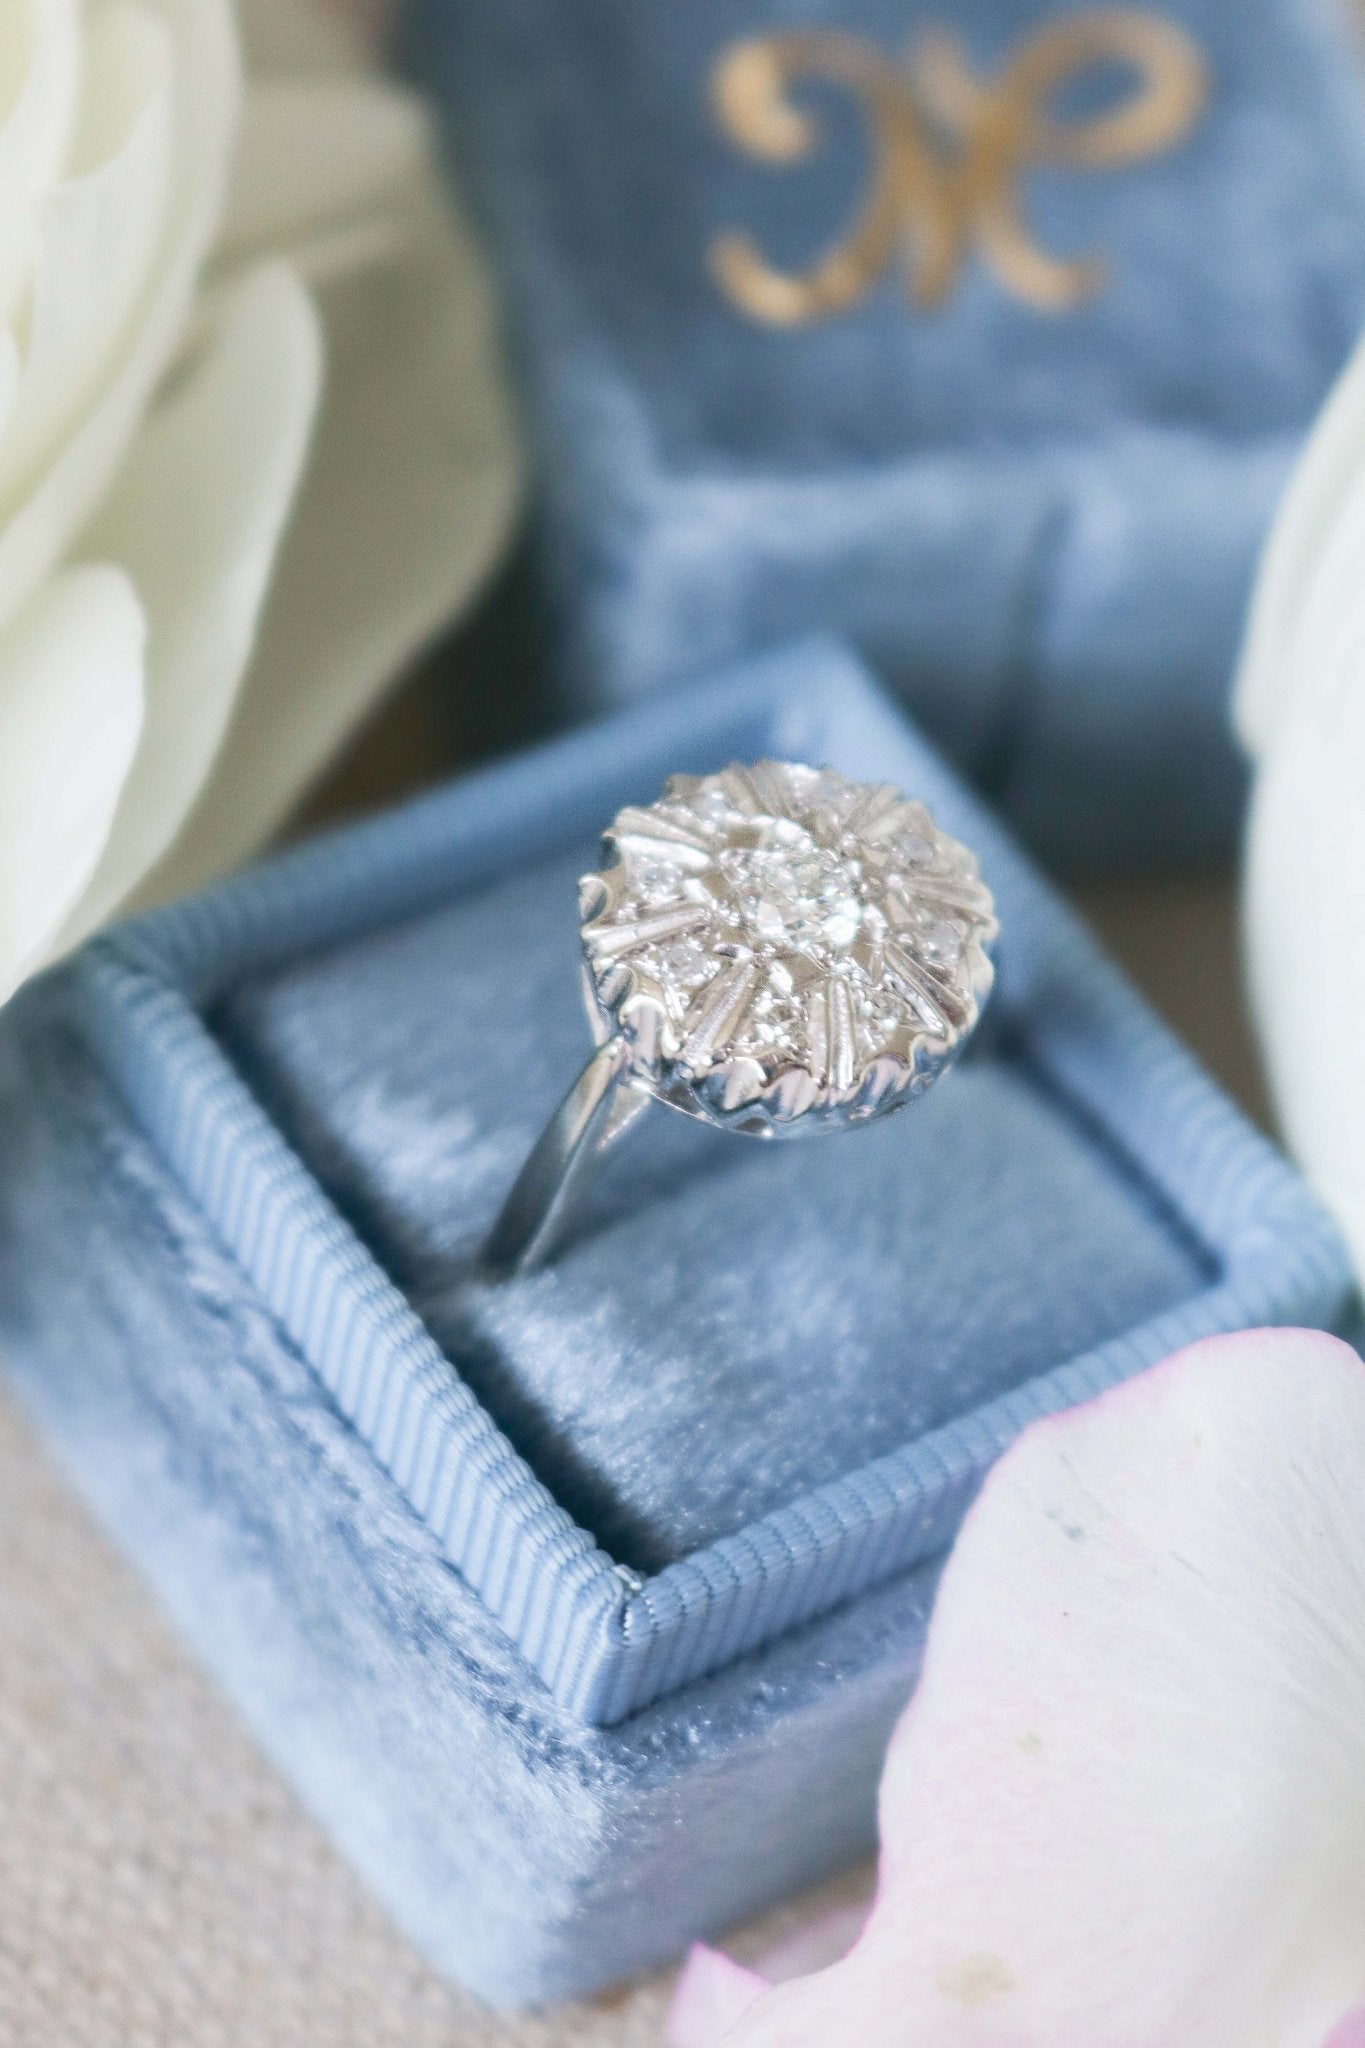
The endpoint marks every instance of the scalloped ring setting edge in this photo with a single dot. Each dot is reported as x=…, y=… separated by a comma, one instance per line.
x=777, y=950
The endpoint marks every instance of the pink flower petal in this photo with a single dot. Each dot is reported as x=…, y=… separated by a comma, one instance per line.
x=1126, y=1808
x=824, y=1939
x=712, y=1992
x=1351, y=2032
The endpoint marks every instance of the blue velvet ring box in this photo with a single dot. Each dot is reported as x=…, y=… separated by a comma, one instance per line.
x=580, y=1609
x=1036, y=519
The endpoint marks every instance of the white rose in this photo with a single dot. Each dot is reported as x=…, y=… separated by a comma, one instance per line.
x=1301, y=712
x=253, y=446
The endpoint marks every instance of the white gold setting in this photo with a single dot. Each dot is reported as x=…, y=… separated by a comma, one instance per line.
x=775, y=949
x=783, y=949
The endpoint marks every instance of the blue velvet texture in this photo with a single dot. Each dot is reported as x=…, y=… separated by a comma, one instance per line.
x=1039, y=527
x=733, y=1326
x=529, y=1855
x=976, y=1239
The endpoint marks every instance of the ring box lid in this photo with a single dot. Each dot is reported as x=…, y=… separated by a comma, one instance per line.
x=1039, y=523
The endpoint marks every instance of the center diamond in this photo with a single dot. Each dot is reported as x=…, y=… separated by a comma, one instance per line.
x=795, y=894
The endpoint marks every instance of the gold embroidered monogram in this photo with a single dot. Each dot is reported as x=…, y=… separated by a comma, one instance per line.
x=949, y=153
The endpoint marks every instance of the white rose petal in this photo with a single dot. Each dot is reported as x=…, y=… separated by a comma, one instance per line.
x=1323, y=503
x=319, y=155
x=39, y=65
x=1301, y=711
x=70, y=718
x=97, y=234
x=247, y=376
x=407, y=496
x=217, y=468
x=68, y=489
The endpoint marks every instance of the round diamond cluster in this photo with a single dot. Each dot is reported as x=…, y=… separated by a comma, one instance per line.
x=783, y=936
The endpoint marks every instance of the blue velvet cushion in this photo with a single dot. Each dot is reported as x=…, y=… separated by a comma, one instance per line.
x=709, y=1278
x=691, y=1481
x=1039, y=525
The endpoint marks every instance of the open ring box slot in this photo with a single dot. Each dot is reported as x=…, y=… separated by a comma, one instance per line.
x=536, y=1588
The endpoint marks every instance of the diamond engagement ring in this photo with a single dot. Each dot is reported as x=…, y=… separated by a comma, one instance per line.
x=776, y=950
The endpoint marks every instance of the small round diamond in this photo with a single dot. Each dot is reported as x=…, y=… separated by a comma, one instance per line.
x=658, y=881
x=941, y=940
x=714, y=807
x=685, y=962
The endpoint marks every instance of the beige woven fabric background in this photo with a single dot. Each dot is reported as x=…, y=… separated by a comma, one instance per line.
x=159, y=1886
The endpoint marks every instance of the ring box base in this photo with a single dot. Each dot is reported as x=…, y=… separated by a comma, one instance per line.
x=580, y=1612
